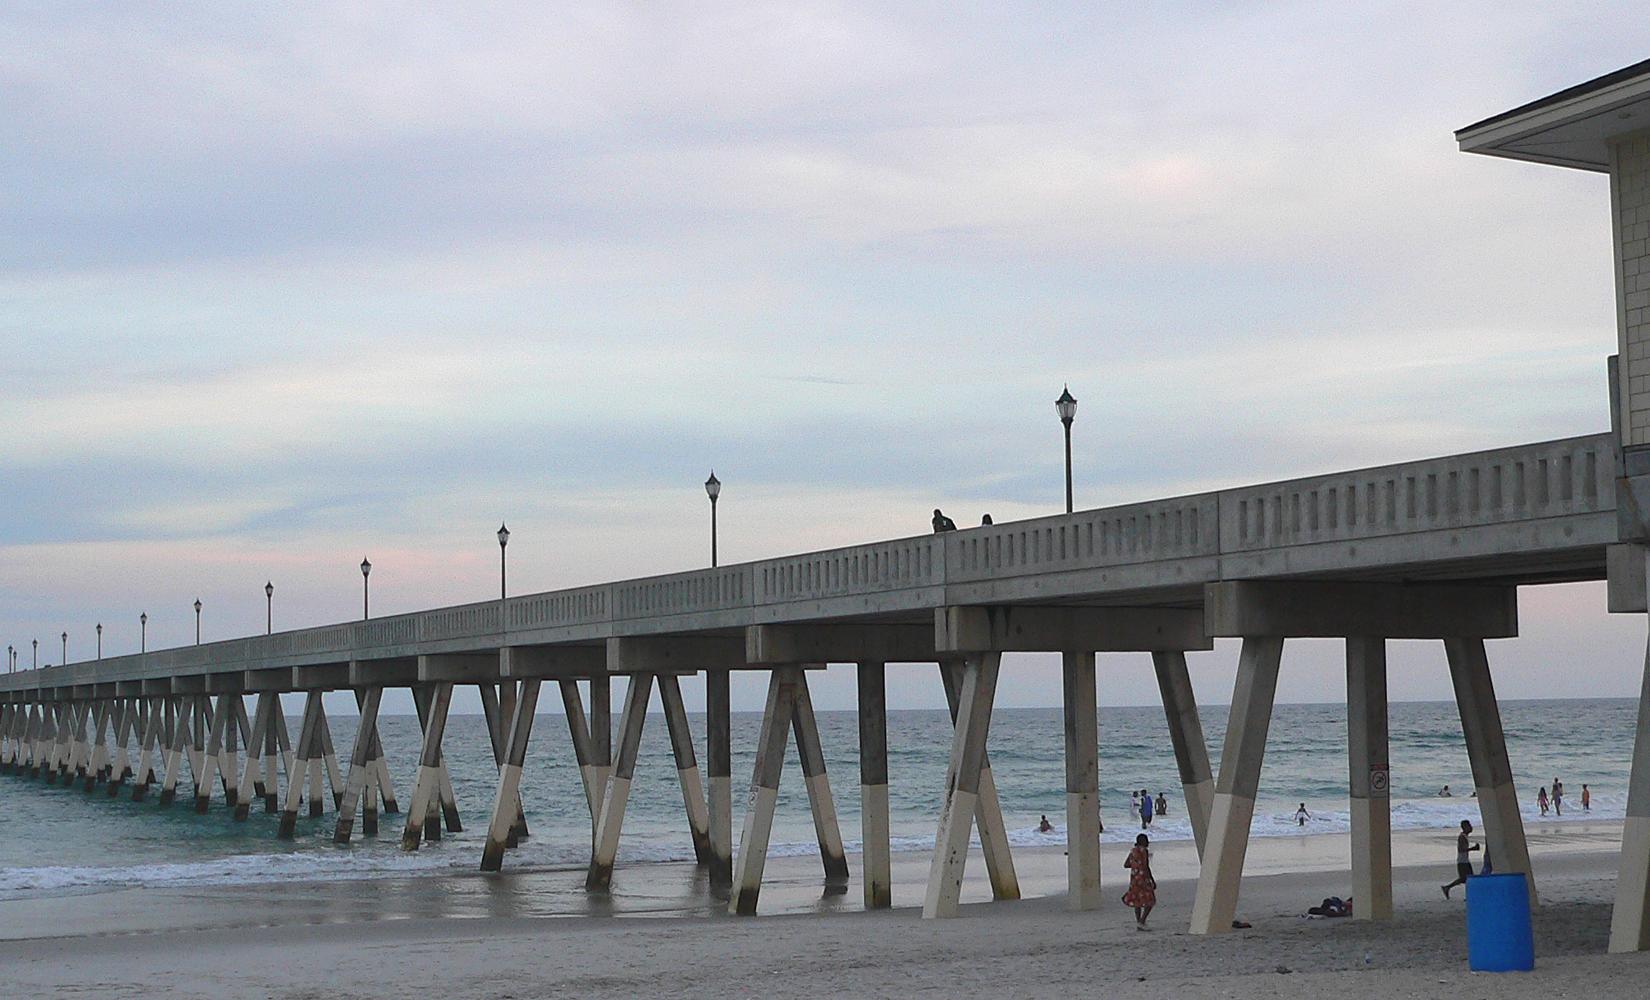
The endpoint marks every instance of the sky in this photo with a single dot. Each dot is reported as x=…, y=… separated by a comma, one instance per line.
x=282, y=287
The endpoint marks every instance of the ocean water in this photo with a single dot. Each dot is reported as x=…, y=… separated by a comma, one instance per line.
x=56, y=839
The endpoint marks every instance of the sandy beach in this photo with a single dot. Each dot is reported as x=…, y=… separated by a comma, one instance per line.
x=529, y=934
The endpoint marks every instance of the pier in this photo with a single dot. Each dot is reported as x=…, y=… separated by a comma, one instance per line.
x=1435, y=549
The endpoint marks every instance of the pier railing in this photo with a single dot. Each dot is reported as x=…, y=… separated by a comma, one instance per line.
x=1062, y=556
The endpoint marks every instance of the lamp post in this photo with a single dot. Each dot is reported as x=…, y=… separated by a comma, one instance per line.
x=197, y=621
x=36, y=654
x=366, y=568
x=503, y=540
x=269, y=608
x=143, y=632
x=100, y=640
x=713, y=489
x=1066, y=405
x=65, y=647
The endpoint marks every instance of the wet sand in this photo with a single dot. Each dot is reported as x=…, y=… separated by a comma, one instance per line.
x=660, y=933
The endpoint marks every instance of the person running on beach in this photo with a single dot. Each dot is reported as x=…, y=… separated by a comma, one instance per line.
x=1142, y=894
x=1045, y=826
x=1586, y=799
x=1163, y=803
x=1463, y=858
x=1301, y=815
x=1558, y=797
x=1145, y=809
x=1541, y=800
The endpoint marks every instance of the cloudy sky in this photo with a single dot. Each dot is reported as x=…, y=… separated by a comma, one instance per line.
x=282, y=289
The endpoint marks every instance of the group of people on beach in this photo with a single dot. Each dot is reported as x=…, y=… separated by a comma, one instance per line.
x=1143, y=807
x=1556, y=800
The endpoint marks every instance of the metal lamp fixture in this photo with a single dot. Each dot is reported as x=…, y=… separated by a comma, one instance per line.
x=366, y=569
x=713, y=489
x=1066, y=406
x=503, y=540
x=269, y=607
x=197, y=621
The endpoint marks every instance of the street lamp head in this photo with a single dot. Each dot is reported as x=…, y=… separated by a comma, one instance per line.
x=1066, y=405
x=269, y=590
x=143, y=619
x=713, y=487
x=503, y=536
x=65, y=637
x=366, y=567
x=99, y=628
x=197, y=605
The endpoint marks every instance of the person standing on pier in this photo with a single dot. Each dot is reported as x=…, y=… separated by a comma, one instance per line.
x=1463, y=857
x=1142, y=893
x=943, y=523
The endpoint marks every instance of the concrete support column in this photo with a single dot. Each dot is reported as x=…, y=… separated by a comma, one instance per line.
x=334, y=776
x=1222, y=870
x=600, y=876
x=999, y=860
x=303, y=764
x=182, y=711
x=687, y=766
x=770, y=760
x=382, y=780
x=213, y=758
x=252, y=783
x=1469, y=669
x=229, y=767
x=812, y=753
x=601, y=737
x=360, y=765
x=579, y=730
x=274, y=756
x=1370, y=798
x=873, y=786
x=1191, y=752
x=99, y=752
x=1630, y=920
x=507, y=803
x=1082, y=782
x=508, y=693
x=498, y=706
x=976, y=693
x=427, y=786
x=719, y=774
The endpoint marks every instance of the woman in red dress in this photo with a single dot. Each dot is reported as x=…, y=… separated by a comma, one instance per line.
x=1142, y=894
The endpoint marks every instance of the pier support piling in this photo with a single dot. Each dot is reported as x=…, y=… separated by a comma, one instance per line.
x=1082, y=781
x=1191, y=752
x=999, y=859
x=873, y=786
x=507, y=802
x=600, y=876
x=718, y=772
x=975, y=692
x=421, y=810
x=1215, y=905
x=812, y=754
x=1630, y=920
x=1504, y=842
x=302, y=766
x=1370, y=798
x=770, y=760
x=687, y=766
x=360, y=766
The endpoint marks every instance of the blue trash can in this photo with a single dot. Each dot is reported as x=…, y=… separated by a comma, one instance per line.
x=1499, y=938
